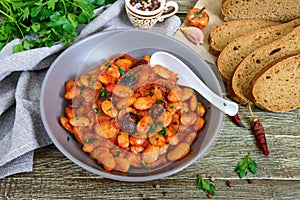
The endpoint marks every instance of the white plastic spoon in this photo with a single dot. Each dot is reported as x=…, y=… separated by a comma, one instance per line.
x=188, y=78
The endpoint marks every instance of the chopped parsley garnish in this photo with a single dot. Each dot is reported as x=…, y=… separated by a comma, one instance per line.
x=159, y=101
x=160, y=124
x=163, y=132
x=92, y=83
x=107, y=64
x=145, y=164
x=81, y=91
x=129, y=79
x=96, y=110
x=118, y=153
x=90, y=140
x=152, y=128
x=104, y=92
x=121, y=70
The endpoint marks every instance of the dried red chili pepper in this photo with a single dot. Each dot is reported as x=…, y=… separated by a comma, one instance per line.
x=236, y=119
x=259, y=134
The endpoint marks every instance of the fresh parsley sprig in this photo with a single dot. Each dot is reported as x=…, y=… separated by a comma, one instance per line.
x=205, y=186
x=246, y=164
x=49, y=21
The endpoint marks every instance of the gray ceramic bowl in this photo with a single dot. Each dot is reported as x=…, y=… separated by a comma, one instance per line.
x=86, y=55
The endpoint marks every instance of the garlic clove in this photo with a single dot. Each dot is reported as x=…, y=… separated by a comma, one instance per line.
x=194, y=34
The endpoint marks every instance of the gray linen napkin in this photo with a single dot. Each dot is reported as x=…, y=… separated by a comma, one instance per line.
x=21, y=76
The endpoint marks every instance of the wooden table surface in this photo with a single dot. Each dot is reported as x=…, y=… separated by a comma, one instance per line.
x=277, y=177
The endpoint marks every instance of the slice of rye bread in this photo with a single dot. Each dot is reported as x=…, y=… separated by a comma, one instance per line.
x=224, y=33
x=242, y=46
x=273, y=10
x=246, y=70
x=276, y=87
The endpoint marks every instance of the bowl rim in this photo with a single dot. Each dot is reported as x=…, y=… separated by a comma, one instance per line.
x=106, y=174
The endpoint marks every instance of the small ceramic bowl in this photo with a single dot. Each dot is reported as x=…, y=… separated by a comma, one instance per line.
x=147, y=19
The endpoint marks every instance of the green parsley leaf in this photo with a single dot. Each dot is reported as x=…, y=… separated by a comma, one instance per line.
x=90, y=140
x=246, y=164
x=107, y=65
x=205, y=186
x=145, y=164
x=96, y=110
x=152, y=128
x=51, y=4
x=108, y=1
x=36, y=27
x=25, y=14
x=159, y=101
x=99, y=2
x=121, y=70
x=18, y=48
x=118, y=153
x=2, y=45
x=104, y=92
x=35, y=11
x=72, y=18
x=163, y=131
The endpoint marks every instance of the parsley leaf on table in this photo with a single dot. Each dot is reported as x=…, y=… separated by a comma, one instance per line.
x=48, y=21
x=205, y=186
x=246, y=164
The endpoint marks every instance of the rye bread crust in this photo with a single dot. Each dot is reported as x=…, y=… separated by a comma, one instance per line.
x=279, y=71
x=226, y=32
x=246, y=70
x=273, y=10
x=242, y=46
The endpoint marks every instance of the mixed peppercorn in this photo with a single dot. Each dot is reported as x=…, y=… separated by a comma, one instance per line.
x=145, y=5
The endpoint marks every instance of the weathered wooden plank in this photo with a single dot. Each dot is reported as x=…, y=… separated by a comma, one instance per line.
x=74, y=187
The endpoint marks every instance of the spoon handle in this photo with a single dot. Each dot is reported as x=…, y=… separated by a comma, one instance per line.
x=228, y=107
